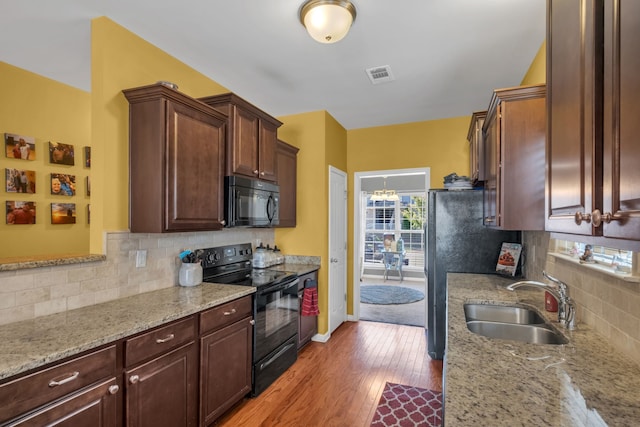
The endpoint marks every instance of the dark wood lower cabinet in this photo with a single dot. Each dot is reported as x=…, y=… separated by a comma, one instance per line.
x=96, y=406
x=183, y=373
x=163, y=391
x=307, y=325
x=225, y=357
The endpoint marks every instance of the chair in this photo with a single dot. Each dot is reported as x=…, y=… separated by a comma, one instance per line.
x=393, y=261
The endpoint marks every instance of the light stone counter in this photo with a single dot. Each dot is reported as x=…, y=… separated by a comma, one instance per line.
x=299, y=269
x=21, y=263
x=490, y=382
x=33, y=343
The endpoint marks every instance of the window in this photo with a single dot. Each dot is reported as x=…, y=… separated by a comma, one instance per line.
x=616, y=260
x=403, y=219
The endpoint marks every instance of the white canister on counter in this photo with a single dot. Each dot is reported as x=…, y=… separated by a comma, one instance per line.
x=190, y=274
x=260, y=257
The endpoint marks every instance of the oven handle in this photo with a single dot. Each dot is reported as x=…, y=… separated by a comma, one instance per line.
x=278, y=287
x=276, y=356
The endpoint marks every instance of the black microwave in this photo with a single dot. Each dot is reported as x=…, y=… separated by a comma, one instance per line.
x=250, y=202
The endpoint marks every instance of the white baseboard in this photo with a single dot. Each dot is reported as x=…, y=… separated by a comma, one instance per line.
x=321, y=337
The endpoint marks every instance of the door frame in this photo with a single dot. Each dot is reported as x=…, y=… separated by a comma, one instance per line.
x=357, y=232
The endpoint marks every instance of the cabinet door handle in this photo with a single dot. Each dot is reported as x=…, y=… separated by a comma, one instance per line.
x=229, y=313
x=582, y=216
x=134, y=379
x=165, y=339
x=261, y=173
x=256, y=172
x=596, y=217
x=489, y=220
x=223, y=222
x=252, y=322
x=607, y=217
x=114, y=389
x=72, y=376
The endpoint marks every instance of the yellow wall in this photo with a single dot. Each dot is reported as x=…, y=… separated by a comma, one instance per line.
x=46, y=110
x=122, y=60
x=438, y=144
x=537, y=73
x=322, y=142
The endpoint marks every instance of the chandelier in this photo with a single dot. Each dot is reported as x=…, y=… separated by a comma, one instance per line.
x=384, y=194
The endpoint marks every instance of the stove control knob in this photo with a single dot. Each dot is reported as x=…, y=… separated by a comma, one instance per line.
x=248, y=251
x=216, y=256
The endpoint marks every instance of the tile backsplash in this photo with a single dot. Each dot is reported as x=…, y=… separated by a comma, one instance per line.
x=606, y=303
x=30, y=293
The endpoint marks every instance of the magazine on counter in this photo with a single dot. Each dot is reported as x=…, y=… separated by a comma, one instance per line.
x=508, y=258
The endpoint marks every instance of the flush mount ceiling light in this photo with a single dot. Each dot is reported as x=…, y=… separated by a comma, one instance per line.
x=384, y=194
x=327, y=21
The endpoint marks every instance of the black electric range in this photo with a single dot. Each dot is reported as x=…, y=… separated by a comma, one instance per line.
x=275, y=308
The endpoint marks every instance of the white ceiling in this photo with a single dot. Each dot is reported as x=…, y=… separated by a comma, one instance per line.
x=446, y=55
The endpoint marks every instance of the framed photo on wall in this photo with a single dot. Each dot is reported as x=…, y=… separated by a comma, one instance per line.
x=87, y=157
x=19, y=212
x=61, y=154
x=88, y=186
x=63, y=213
x=20, y=181
x=19, y=146
x=63, y=184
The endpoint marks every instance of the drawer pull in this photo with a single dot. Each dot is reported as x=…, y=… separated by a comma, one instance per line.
x=165, y=339
x=229, y=313
x=113, y=389
x=134, y=379
x=71, y=377
x=252, y=322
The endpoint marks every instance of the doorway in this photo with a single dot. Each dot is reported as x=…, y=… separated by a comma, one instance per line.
x=389, y=280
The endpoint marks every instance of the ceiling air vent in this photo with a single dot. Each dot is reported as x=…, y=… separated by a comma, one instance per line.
x=381, y=74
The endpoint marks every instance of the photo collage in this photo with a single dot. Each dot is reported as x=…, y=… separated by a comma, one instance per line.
x=23, y=180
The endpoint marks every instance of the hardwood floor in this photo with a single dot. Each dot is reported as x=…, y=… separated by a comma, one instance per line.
x=339, y=383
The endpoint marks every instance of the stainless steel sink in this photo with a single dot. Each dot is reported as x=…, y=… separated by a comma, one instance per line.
x=535, y=334
x=502, y=313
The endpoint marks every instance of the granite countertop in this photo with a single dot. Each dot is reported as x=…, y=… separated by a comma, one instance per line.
x=37, y=261
x=300, y=269
x=508, y=383
x=33, y=343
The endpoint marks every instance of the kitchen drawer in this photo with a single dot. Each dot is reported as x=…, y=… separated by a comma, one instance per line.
x=31, y=391
x=225, y=314
x=158, y=341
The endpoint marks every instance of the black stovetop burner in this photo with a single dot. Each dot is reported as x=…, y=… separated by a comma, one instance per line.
x=232, y=265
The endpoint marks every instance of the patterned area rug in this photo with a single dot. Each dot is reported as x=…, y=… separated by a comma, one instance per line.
x=405, y=406
x=386, y=294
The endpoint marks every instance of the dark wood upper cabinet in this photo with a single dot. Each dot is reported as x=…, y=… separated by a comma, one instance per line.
x=176, y=157
x=286, y=171
x=574, y=102
x=251, y=139
x=476, y=147
x=593, y=109
x=621, y=179
x=514, y=132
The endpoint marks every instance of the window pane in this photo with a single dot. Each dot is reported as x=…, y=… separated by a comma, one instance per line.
x=403, y=219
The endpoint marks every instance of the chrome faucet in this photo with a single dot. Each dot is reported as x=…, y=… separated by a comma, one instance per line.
x=566, y=307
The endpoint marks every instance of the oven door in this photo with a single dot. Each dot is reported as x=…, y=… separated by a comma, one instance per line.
x=276, y=316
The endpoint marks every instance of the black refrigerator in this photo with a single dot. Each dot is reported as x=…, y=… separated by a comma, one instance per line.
x=456, y=242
